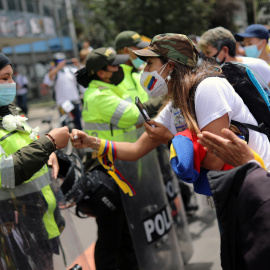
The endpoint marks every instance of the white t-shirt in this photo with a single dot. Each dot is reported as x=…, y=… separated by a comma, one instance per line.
x=20, y=81
x=65, y=85
x=172, y=118
x=215, y=97
x=260, y=67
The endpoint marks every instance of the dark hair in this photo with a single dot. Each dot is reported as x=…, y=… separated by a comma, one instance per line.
x=219, y=44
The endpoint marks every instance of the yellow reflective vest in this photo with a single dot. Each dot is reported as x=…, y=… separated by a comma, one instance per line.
x=131, y=84
x=11, y=142
x=109, y=111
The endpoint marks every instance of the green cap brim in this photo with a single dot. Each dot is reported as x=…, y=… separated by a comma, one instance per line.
x=145, y=53
x=120, y=59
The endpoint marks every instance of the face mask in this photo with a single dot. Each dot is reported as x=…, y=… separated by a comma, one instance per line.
x=7, y=93
x=137, y=62
x=252, y=51
x=218, y=61
x=117, y=76
x=154, y=84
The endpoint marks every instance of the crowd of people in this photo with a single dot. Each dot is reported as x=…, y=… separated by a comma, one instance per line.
x=181, y=85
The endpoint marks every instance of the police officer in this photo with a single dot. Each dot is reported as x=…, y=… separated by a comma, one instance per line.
x=125, y=42
x=29, y=229
x=108, y=112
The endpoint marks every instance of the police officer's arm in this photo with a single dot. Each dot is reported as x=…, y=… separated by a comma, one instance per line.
x=30, y=159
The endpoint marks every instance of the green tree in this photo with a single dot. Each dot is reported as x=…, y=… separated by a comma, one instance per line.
x=106, y=18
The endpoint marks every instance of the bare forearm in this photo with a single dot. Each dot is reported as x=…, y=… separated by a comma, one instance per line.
x=134, y=151
x=125, y=150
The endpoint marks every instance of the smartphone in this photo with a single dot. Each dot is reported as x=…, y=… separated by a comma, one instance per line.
x=142, y=110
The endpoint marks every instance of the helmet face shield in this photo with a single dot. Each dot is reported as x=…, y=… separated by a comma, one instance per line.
x=94, y=193
x=71, y=172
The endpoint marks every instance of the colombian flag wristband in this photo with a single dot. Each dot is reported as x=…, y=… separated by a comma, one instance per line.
x=106, y=156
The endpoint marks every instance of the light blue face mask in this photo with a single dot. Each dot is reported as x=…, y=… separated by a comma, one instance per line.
x=137, y=62
x=7, y=93
x=252, y=51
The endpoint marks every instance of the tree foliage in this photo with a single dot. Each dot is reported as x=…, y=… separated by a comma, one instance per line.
x=106, y=18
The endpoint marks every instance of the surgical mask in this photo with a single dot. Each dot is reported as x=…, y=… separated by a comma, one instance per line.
x=154, y=84
x=218, y=61
x=137, y=62
x=252, y=51
x=117, y=76
x=7, y=93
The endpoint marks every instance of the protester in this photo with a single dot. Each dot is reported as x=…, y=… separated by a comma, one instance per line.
x=220, y=43
x=22, y=89
x=86, y=49
x=255, y=39
x=241, y=197
x=29, y=223
x=109, y=112
x=63, y=82
x=210, y=108
x=125, y=43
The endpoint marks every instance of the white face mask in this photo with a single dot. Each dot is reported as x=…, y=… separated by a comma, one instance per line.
x=154, y=84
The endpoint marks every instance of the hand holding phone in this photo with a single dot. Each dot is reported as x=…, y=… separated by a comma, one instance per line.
x=142, y=110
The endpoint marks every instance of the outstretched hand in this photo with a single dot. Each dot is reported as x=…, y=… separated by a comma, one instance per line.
x=80, y=139
x=159, y=133
x=61, y=136
x=231, y=149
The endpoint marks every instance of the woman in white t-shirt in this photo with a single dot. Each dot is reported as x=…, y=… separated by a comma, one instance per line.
x=206, y=99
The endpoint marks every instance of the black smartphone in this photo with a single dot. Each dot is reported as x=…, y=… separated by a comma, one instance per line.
x=142, y=110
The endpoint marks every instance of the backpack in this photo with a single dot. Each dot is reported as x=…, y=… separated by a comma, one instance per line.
x=242, y=79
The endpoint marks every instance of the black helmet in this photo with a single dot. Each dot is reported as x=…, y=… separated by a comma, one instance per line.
x=102, y=195
x=94, y=193
x=72, y=172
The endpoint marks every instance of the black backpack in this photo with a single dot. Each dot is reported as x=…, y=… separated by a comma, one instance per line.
x=242, y=79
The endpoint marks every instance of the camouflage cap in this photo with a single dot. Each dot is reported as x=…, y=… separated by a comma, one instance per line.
x=176, y=47
x=128, y=39
x=101, y=57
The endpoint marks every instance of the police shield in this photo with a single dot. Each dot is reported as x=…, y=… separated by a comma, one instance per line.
x=34, y=232
x=176, y=203
x=149, y=213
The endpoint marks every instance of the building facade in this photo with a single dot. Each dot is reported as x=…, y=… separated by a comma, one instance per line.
x=31, y=31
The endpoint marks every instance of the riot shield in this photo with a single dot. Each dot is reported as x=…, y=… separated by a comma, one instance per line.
x=148, y=212
x=71, y=255
x=34, y=233
x=176, y=203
